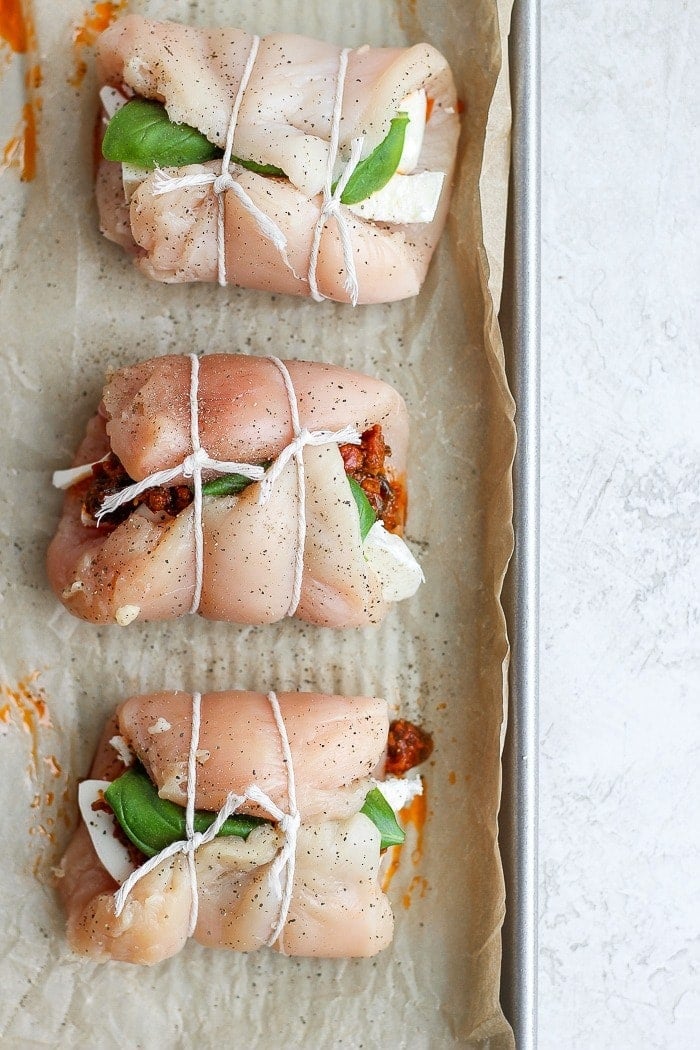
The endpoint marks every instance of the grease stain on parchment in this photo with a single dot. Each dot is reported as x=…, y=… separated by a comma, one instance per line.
x=406, y=14
x=414, y=814
x=394, y=859
x=18, y=37
x=95, y=20
x=24, y=707
x=418, y=885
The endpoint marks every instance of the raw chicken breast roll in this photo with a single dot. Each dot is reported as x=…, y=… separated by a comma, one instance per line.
x=282, y=163
x=242, y=488
x=240, y=819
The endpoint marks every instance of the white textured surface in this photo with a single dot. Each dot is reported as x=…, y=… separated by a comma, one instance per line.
x=620, y=715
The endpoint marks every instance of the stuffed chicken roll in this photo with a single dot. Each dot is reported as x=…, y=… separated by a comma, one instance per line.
x=241, y=819
x=280, y=163
x=246, y=489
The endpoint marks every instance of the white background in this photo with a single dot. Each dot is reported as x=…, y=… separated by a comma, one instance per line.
x=620, y=710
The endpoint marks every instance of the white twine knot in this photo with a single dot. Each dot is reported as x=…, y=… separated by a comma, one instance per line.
x=224, y=182
x=290, y=824
x=196, y=461
x=349, y=435
x=281, y=870
x=191, y=467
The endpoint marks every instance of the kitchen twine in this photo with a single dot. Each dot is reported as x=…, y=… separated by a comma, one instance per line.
x=331, y=207
x=200, y=460
x=281, y=871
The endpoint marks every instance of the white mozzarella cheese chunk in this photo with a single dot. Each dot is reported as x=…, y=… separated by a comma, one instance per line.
x=112, y=854
x=400, y=791
x=123, y=750
x=160, y=726
x=414, y=105
x=112, y=100
x=132, y=178
x=399, y=573
x=404, y=199
x=65, y=479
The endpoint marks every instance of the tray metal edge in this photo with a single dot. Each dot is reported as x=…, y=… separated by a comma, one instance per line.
x=520, y=319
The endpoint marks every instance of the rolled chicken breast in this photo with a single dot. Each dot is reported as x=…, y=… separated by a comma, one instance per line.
x=314, y=530
x=309, y=887
x=251, y=177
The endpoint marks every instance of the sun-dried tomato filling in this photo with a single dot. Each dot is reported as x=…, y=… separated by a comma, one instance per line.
x=110, y=477
x=366, y=464
x=408, y=745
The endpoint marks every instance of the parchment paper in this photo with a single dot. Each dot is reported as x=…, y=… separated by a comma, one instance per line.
x=73, y=307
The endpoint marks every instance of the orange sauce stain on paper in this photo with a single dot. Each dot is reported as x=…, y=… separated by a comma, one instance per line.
x=53, y=766
x=392, y=867
x=419, y=885
x=95, y=20
x=33, y=78
x=29, y=710
x=415, y=814
x=17, y=32
x=406, y=13
x=26, y=709
x=20, y=151
x=13, y=25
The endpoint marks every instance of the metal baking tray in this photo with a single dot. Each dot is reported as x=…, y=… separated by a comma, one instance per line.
x=520, y=321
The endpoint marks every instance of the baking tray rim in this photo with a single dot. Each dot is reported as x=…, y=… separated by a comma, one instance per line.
x=520, y=319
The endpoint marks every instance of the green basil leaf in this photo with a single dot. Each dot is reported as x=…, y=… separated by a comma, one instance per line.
x=142, y=134
x=364, y=508
x=373, y=173
x=229, y=484
x=378, y=810
x=260, y=169
x=226, y=485
x=152, y=823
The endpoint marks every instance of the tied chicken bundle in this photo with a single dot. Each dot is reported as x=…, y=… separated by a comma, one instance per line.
x=242, y=820
x=246, y=489
x=279, y=163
